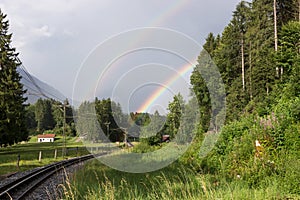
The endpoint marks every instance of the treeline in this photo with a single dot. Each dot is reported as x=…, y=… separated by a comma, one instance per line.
x=256, y=58
x=104, y=119
x=50, y=115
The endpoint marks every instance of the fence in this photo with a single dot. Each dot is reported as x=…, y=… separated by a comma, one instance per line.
x=25, y=157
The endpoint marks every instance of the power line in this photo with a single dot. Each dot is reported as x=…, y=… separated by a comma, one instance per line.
x=41, y=91
x=31, y=79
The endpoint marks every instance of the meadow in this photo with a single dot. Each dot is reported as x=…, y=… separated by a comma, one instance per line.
x=177, y=181
x=29, y=153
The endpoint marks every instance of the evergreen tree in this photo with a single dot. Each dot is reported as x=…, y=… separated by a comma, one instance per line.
x=176, y=108
x=109, y=112
x=204, y=76
x=288, y=57
x=287, y=10
x=44, y=115
x=69, y=113
x=58, y=113
x=288, y=48
x=153, y=131
x=12, y=108
x=87, y=124
x=231, y=58
x=30, y=118
x=261, y=35
x=210, y=44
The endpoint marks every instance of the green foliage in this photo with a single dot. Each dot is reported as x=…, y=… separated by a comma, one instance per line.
x=145, y=146
x=287, y=11
x=159, y=125
x=288, y=57
x=52, y=115
x=30, y=119
x=176, y=108
x=87, y=124
x=191, y=157
x=200, y=88
x=44, y=116
x=110, y=112
x=153, y=131
x=101, y=120
x=235, y=152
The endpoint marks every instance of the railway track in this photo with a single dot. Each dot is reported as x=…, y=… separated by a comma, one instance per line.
x=20, y=188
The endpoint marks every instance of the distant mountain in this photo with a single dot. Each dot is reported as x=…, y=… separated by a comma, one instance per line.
x=38, y=89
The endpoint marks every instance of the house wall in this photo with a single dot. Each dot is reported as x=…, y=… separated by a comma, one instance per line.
x=45, y=139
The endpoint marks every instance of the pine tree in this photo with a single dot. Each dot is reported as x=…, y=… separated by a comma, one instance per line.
x=261, y=35
x=12, y=118
x=87, y=124
x=153, y=131
x=176, y=108
x=44, y=115
x=287, y=10
x=288, y=56
x=201, y=91
x=110, y=112
x=232, y=59
x=240, y=20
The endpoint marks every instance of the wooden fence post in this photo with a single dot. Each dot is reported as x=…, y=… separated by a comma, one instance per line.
x=55, y=153
x=40, y=156
x=18, y=161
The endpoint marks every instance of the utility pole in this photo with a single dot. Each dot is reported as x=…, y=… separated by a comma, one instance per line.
x=125, y=136
x=64, y=127
x=107, y=129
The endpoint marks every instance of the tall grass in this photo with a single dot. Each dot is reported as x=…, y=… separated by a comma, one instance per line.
x=177, y=181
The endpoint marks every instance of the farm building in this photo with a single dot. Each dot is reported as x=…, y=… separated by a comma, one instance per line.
x=46, y=138
x=166, y=138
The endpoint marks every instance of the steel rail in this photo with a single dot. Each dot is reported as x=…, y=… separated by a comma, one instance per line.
x=21, y=187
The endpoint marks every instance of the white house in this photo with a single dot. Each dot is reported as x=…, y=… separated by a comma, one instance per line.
x=46, y=138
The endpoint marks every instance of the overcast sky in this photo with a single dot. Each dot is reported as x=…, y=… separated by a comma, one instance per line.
x=54, y=37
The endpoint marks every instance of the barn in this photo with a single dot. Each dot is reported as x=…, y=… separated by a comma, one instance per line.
x=46, y=138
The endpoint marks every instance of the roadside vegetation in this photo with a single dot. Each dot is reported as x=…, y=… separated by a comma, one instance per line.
x=235, y=169
x=176, y=181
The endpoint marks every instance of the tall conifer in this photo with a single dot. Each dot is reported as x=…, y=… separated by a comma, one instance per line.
x=12, y=108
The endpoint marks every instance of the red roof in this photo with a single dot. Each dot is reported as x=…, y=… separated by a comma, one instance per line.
x=46, y=136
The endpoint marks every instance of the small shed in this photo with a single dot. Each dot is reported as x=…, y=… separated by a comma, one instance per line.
x=46, y=138
x=166, y=138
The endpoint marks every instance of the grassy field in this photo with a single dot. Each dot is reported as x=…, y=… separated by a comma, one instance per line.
x=29, y=154
x=97, y=181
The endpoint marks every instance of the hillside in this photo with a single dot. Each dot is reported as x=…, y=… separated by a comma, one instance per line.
x=38, y=89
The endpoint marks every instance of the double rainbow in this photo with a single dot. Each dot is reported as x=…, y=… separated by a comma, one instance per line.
x=157, y=93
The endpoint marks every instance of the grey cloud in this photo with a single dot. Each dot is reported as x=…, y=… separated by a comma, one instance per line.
x=71, y=29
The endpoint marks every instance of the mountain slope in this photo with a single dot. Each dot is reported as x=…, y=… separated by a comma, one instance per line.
x=38, y=89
